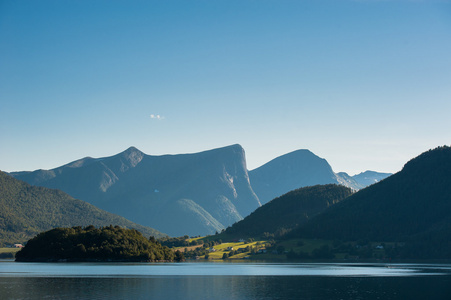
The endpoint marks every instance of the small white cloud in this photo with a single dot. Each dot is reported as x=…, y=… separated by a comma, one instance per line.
x=157, y=117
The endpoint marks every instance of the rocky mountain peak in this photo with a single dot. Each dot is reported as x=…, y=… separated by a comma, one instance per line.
x=133, y=156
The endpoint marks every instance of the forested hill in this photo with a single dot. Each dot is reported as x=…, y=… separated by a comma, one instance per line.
x=286, y=212
x=110, y=243
x=27, y=210
x=414, y=206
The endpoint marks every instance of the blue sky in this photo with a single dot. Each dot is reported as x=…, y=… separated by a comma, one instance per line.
x=363, y=84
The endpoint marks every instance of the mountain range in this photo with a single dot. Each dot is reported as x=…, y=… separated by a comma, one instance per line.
x=196, y=194
x=182, y=194
x=27, y=210
x=411, y=208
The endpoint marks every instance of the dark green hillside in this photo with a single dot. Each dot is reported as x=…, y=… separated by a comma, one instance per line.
x=412, y=206
x=92, y=244
x=285, y=213
x=26, y=210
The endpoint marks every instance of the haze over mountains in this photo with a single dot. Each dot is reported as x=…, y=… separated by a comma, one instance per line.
x=182, y=194
x=299, y=169
x=367, y=178
x=193, y=194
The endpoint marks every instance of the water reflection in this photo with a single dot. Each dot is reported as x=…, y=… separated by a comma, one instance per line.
x=227, y=287
x=134, y=281
x=217, y=269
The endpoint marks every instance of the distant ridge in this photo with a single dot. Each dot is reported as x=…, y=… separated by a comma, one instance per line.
x=294, y=170
x=27, y=210
x=370, y=177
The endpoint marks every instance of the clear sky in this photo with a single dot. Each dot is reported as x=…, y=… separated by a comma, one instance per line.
x=364, y=84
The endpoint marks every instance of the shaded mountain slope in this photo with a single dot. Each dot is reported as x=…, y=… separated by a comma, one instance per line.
x=413, y=205
x=288, y=211
x=26, y=210
x=212, y=186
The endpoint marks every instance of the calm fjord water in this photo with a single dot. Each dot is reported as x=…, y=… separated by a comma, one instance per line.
x=223, y=281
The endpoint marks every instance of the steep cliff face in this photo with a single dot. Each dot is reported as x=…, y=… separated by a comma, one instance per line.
x=211, y=187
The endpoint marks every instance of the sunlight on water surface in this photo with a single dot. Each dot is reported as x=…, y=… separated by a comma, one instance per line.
x=236, y=281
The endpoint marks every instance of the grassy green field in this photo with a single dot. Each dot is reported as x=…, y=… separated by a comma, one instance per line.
x=305, y=249
x=222, y=248
x=189, y=248
x=197, y=238
x=297, y=245
x=8, y=252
